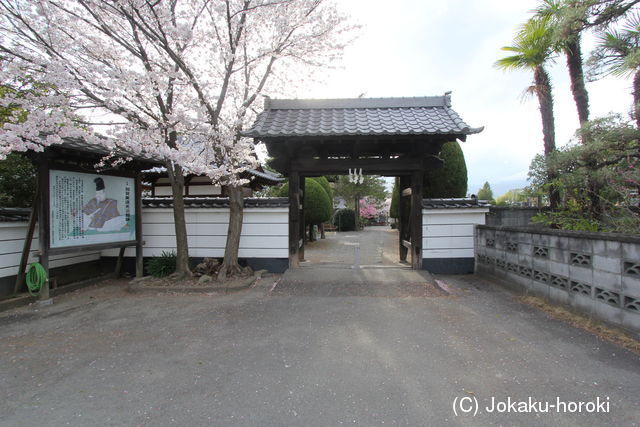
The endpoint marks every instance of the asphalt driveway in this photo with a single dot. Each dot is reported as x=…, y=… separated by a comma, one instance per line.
x=101, y=356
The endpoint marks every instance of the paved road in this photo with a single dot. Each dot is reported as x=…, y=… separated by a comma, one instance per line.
x=377, y=245
x=268, y=358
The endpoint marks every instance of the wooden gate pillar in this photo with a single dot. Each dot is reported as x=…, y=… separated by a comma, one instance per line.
x=416, y=219
x=302, y=224
x=294, y=219
x=43, y=222
x=403, y=217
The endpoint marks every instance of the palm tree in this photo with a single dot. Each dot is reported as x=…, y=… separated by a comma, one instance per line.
x=567, y=19
x=532, y=49
x=618, y=53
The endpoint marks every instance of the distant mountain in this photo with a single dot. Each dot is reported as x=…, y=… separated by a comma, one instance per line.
x=498, y=188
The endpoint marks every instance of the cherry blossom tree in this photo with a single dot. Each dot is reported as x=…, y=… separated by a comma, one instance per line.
x=176, y=79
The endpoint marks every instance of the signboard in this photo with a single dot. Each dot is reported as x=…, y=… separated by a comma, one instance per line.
x=88, y=209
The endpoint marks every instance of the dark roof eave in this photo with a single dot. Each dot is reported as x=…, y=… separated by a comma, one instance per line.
x=215, y=202
x=456, y=134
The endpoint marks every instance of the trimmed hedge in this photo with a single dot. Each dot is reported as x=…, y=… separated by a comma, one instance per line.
x=318, y=207
x=345, y=220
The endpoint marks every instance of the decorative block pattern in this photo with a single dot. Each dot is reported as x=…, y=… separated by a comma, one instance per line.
x=632, y=304
x=541, y=251
x=580, y=288
x=560, y=282
x=580, y=259
x=541, y=276
x=490, y=243
x=632, y=268
x=525, y=271
x=610, y=297
x=511, y=246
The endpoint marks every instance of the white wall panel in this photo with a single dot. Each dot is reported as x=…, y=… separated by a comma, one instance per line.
x=265, y=234
x=448, y=242
x=447, y=230
x=12, y=237
x=447, y=253
x=449, y=233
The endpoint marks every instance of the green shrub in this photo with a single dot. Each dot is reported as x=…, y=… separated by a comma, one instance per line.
x=17, y=181
x=317, y=203
x=572, y=217
x=163, y=265
x=450, y=180
x=345, y=220
x=325, y=184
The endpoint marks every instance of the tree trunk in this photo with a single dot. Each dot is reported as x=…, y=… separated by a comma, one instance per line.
x=578, y=88
x=230, y=265
x=636, y=98
x=182, y=245
x=545, y=98
x=312, y=237
x=581, y=97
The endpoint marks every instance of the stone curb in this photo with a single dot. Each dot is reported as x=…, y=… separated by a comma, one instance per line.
x=140, y=288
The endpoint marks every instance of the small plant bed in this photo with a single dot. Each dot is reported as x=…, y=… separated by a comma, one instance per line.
x=204, y=279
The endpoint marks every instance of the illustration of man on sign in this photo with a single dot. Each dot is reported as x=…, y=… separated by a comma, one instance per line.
x=100, y=213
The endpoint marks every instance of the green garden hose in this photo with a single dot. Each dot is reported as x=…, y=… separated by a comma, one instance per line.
x=36, y=277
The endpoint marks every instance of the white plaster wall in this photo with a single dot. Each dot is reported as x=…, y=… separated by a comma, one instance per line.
x=12, y=235
x=265, y=232
x=449, y=233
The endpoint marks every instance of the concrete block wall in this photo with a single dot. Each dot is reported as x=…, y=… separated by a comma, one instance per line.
x=597, y=274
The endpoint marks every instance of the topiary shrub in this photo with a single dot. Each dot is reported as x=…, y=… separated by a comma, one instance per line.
x=163, y=265
x=325, y=184
x=317, y=203
x=345, y=220
x=449, y=180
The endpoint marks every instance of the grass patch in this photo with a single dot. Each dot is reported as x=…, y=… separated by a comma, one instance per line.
x=607, y=333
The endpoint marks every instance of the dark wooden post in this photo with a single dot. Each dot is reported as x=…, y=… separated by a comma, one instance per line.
x=43, y=222
x=139, y=235
x=357, y=210
x=119, y=262
x=416, y=219
x=302, y=223
x=402, y=218
x=294, y=219
x=26, y=247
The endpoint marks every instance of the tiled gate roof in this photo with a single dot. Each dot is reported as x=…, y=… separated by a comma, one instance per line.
x=429, y=115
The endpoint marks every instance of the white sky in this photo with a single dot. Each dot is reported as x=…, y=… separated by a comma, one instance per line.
x=428, y=47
